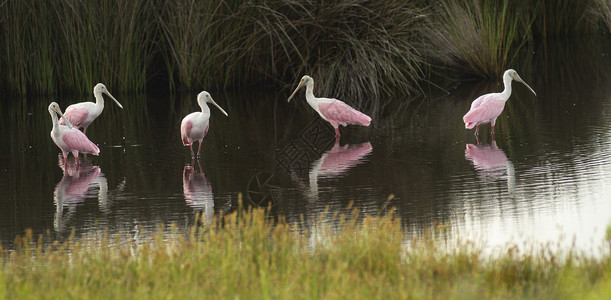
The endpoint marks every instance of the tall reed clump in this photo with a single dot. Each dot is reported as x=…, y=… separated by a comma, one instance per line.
x=602, y=9
x=104, y=41
x=353, y=48
x=27, y=48
x=480, y=37
x=247, y=254
x=562, y=18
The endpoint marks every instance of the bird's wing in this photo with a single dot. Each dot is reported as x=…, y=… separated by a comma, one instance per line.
x=481, y=100
x=77, y=140
x=341, y=113
x=75, y=115
x=485, y=111
x=185, y=131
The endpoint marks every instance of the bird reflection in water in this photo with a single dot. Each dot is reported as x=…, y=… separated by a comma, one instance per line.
x=490, y=162
x=334, y=163
x=198, y=191
x=72, y=190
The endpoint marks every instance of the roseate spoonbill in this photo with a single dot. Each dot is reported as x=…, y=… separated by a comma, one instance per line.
x=82, y=114
x=67, y=138
x=194, y=126
x=486, y=108
x=331, y=110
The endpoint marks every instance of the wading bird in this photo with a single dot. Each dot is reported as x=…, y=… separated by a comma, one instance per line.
x=333, y=111
x=194, y=126
x=82, y=114
x=486, y=108
x=67, y=138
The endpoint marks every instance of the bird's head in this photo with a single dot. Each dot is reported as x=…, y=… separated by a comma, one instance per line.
x=305, y=81
x=513, y=75
x=204, y=97
x=100, y=89
x=54, y=109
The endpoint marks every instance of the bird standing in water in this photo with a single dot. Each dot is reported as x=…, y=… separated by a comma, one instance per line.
x=82, y=114
x=331, y=110
x=194, y=126
x=486, y=108
x=69, y=139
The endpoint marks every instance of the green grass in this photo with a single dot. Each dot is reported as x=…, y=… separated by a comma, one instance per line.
x=478, y=38
x=248, y=255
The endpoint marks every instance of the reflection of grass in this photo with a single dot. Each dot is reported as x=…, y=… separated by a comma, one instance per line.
x=247, y=255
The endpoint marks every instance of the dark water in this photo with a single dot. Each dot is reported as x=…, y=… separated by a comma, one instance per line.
x=546, y=177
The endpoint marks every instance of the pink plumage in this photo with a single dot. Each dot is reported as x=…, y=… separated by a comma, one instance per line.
x=340, y=113
x=185, y=131
x=485, y=109
x=75, y=116
x=68, y=139
x=78, y=141
x=333, y=111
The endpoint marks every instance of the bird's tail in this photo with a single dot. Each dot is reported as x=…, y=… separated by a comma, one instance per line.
x=185, y=141
x=361, y=118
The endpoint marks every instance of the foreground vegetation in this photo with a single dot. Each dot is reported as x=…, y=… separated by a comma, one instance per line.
x=247, y=255
x=358, y=49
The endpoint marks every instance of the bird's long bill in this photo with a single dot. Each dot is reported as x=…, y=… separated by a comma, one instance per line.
x=524, y=83
x=113, y=98
x=59, y=112
x=217, y=106
x=293, y=94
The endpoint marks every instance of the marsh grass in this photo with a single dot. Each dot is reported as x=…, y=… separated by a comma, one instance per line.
x=602, y=10
x=480, y=38
x=248, y=254
x=356, y=50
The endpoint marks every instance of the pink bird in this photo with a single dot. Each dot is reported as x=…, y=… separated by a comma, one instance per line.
x=69, y=139
x=333, y=111
x=194, y=126
x=486, y=108
x=82, y=114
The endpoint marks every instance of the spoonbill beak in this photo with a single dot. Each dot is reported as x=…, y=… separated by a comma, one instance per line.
x=113, y=98
x=298, y=87
x=217, y=106
x=519, y=79
x=59, y=112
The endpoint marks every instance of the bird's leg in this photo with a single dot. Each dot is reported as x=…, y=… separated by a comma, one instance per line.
x=192, y=154
x=476, y=129
x=337, y=132
x=492, y=130
x=65, y=154
x=477, y=138
x=199, y=148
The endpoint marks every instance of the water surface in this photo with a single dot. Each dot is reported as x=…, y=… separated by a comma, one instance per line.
x=544, y=177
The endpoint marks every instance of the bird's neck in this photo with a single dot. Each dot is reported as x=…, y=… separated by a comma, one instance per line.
x=507, y=91
x=55, y=129
x=205, y=109
x=310, y=96
x=99, y=99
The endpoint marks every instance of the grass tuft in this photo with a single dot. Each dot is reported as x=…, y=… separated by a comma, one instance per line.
x=247, y=254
